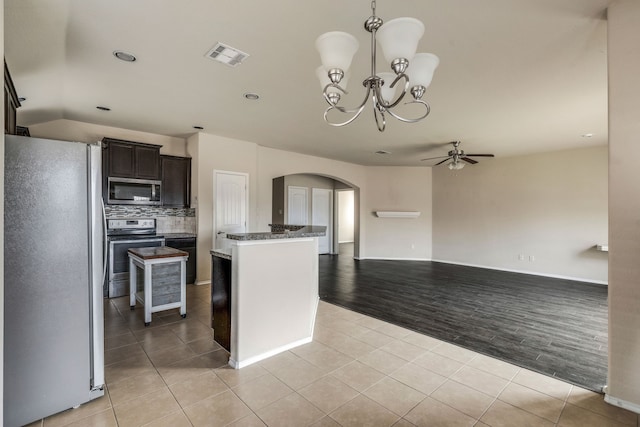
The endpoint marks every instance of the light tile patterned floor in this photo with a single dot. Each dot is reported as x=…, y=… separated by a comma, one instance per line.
x=358, y=371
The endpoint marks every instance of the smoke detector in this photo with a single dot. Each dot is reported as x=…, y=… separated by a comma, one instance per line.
x=227, y=55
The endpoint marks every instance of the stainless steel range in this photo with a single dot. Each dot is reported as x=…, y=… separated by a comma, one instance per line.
x=122, y=234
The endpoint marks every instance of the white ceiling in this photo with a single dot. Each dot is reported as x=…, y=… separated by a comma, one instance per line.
x=515, y=76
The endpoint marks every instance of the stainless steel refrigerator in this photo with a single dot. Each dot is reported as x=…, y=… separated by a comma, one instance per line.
x=53, y=273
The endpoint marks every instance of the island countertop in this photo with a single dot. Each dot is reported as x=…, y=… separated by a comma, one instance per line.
x=157, y=252
x=306, y=231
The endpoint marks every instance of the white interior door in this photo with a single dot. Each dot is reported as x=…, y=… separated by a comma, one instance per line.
x=297, y=212
x=322, y=214
x=230, y=206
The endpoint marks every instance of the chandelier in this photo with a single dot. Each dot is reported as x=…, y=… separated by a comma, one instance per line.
x=398, y=39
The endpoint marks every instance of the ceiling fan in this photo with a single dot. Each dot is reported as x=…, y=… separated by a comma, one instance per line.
x=457, y=156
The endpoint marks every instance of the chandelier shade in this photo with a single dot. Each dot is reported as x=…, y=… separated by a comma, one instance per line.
x=337, y=49
x=388, y=93
x=399, y=38
x=422, y=68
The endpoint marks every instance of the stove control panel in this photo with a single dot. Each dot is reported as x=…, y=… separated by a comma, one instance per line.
x=130, y=224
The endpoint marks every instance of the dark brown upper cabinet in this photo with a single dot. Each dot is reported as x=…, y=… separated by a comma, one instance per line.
x=176, y=181
x=11, y=103
x=127, y=159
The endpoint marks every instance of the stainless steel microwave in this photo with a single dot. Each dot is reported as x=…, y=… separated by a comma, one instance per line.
x=127, y=191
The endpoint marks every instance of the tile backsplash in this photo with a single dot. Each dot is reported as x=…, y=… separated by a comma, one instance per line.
x=176, y=224
x=168, y=220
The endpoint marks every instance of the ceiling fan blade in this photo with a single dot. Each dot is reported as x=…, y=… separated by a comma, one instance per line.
x=468, y=160
x=432, y=158
x=480, y=155
x=445, y=160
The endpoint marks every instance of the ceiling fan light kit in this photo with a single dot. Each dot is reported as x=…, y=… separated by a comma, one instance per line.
x=398, y=39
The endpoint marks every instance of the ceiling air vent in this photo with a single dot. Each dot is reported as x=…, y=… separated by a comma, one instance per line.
x=227, y=55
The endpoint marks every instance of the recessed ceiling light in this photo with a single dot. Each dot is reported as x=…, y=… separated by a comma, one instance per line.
x=587, y=135
x=198, y=127
x=124, y=56
x=252, y=96
x=383, y=152
x=100, y=107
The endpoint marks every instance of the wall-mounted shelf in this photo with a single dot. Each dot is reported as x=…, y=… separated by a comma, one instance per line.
x=396, y=214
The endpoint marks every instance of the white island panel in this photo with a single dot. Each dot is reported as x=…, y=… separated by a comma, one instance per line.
x=274, y=290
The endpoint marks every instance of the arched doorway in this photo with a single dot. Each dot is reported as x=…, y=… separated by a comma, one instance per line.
x=293, y=197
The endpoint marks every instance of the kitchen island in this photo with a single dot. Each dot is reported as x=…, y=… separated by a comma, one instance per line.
x=264, y=293
x=157, y=279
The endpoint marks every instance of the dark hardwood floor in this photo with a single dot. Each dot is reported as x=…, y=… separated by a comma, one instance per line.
x=553, y=326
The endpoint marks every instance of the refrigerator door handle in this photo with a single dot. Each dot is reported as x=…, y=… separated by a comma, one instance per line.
x=105, y=246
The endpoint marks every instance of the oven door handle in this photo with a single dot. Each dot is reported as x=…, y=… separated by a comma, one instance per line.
x=145, y=240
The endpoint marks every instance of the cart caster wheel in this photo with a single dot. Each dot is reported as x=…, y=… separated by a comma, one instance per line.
x=133, y=307
x=147, y=323
x=184, y=315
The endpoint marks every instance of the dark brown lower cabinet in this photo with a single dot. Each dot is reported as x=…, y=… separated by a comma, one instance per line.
x=187, y=244
x=221, y=301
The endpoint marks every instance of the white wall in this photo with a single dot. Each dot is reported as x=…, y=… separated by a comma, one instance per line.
x=224, y=154
x=262, y=164
x=551, y=206
x=274, y=163
x=345, y=216
x=376, y=188
x=624, y=204
x=398, y=189
x=268, y=274
x=70, y=130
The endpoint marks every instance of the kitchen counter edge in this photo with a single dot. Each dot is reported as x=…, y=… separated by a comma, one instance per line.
x=307, y=231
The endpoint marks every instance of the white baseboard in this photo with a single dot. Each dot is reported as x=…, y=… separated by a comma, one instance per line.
x=237, y=365
x=202, y=282
x=629, y=406
x=535, y=273
x=393, y=259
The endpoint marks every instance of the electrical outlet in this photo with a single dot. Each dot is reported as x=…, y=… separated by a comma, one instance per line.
x=531, y=258
x=521, y=257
